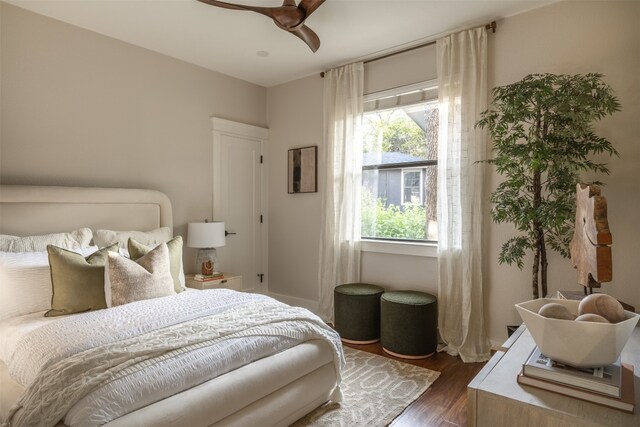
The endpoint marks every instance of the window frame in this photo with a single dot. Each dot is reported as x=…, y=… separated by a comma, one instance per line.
x=426, y=248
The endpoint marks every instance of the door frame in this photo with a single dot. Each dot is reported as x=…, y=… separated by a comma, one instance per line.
x=222, y=127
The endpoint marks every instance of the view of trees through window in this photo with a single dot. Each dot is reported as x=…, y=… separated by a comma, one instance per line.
x=399, y=175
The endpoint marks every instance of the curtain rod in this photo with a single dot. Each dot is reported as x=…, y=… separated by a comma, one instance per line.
x=491, y=26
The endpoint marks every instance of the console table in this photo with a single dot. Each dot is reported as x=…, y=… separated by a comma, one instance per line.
x=496, y=399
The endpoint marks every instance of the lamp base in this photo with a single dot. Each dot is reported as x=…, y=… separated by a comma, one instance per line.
x=206, y=261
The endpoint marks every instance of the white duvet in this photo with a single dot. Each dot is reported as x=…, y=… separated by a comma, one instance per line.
x=30, y=344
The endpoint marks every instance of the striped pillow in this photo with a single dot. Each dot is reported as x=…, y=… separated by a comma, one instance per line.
x=25, y=283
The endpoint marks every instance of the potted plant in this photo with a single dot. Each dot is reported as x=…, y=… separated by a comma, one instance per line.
x=543, y=137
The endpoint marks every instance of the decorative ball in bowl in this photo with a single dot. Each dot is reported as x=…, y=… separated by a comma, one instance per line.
x=584, y=344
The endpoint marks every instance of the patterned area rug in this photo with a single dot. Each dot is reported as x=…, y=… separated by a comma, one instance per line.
x=376, y=390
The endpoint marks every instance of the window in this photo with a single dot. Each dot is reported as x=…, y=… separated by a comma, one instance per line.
x=412, y=186
x=399, y=173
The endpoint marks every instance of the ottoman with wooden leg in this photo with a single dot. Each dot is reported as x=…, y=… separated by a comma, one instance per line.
x=409, y=324
x=357, y=312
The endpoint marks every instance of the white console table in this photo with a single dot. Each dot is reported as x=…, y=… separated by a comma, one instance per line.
x=496, y=399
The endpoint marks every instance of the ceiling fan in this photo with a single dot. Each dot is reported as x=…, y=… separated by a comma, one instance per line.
x=288, y=17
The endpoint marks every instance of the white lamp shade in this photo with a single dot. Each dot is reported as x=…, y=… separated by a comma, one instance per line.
x=206, y=234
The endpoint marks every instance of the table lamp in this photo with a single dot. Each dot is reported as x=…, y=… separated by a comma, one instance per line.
x=206, y=236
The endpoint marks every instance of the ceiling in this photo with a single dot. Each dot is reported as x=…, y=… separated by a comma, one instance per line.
x=227, y=41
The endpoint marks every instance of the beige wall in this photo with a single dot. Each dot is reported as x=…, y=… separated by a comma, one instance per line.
x=79, y=108
x=571, y=37
x=294, y=120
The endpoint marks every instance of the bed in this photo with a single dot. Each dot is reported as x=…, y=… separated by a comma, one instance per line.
x=270, y=389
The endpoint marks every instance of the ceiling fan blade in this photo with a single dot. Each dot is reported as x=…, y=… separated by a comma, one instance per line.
x=267, y=11
x=288, y=17
x=308, y=36
x=309, y=6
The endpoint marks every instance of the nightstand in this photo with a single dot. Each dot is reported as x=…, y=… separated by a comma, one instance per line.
x=494, y=397
x=230, y=281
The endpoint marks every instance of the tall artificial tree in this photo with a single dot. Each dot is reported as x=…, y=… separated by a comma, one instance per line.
x=543, y=139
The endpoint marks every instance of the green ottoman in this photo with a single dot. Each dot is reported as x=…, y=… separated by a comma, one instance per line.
x=409, y=324
x=357, y=312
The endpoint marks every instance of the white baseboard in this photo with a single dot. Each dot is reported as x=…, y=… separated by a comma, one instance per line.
x=310, y=305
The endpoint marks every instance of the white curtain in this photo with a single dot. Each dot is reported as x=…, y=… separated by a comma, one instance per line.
x=342, y=179
x=462, y=88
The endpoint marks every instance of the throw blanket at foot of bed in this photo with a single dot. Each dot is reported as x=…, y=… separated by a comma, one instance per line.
x=63, y=381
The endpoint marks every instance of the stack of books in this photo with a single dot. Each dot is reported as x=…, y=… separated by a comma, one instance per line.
x=216, y=275
x=610, y=385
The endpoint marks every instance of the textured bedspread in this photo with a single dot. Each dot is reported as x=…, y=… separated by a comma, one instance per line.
x=97, y=366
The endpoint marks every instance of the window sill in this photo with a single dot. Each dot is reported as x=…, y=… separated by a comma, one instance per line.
x=429, y=250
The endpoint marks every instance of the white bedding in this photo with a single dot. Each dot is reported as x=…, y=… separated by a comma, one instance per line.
x=30, y=343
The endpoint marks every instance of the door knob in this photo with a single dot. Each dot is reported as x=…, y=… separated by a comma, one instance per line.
x=226, y=233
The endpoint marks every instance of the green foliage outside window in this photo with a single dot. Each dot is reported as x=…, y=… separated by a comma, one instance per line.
x=392, y=221
x=396, y=131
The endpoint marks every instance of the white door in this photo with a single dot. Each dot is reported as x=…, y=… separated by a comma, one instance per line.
x=238, y=200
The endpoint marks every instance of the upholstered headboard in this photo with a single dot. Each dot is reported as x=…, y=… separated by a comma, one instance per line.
x=30, y=210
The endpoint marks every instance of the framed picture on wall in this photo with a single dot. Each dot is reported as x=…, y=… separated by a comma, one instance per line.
x=303, y=170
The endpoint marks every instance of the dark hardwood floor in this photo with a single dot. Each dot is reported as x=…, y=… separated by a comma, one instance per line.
x=445, y=402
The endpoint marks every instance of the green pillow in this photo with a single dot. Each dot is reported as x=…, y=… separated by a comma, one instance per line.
x=78, y=282
x=138, y=250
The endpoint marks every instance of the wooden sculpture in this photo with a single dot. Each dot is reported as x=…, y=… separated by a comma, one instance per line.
x=591, y=243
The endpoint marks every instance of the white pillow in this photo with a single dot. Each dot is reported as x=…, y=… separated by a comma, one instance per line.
x=85, y=252
x=25, y=283
x=79, y=238
x=103, y=238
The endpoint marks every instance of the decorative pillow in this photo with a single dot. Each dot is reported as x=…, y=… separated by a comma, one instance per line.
x=138, y=250
x=79, y=238
x=104, y=238
x=78, y=282
x=148, y=277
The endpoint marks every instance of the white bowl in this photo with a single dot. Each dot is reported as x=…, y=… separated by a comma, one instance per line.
x=581, y=344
